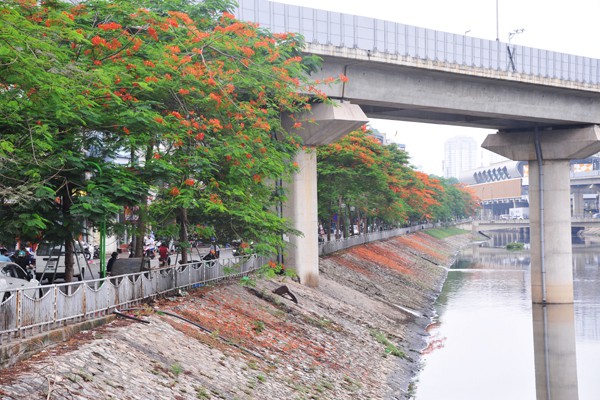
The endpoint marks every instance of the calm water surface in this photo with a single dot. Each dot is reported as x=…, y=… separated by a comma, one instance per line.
x=481, y=343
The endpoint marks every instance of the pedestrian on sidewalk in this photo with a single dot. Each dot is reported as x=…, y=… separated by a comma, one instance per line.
x=111, y=261
x=163, y=254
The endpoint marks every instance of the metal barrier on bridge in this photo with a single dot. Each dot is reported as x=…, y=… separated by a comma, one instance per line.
x=351, y=31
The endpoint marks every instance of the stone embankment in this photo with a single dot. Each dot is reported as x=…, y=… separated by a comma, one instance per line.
x=357, y=336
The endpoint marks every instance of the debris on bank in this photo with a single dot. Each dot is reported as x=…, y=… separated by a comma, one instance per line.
x=357, y=336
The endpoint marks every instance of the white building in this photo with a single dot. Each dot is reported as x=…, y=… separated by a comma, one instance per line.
x=460, y=154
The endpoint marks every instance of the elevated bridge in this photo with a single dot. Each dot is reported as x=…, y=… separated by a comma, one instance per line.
x=408, y=73
x=544, y=105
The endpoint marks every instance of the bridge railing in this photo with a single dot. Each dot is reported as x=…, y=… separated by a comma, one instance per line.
x=351, y=31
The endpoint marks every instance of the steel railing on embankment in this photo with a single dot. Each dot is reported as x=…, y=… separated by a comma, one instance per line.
x=30, y=311
x=345, y=243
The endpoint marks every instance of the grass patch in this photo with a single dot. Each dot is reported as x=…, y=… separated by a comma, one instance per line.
x=258, y=326
x=390, y=348
x=322, y=323
x=445, y=232
x=515, y=246
x=176, y=369
x=351, y=384
x=202, y=393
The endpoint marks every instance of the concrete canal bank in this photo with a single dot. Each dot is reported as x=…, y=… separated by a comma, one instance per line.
x=356, y=336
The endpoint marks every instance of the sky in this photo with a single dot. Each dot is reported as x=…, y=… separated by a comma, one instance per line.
x=557, y=25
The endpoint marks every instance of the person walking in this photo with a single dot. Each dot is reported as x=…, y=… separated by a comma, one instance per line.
x=163, y=254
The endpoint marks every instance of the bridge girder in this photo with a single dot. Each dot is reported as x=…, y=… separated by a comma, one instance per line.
x=407, y=93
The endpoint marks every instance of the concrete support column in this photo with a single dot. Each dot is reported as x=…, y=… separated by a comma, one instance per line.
x=578, y=203
x=323, y=124
x=549, y=201
x=552, y=234
x=475, y=227
x=302, y=253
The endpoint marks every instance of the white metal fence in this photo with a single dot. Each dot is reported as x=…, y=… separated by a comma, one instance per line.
x=332, y=246
x=34, y=310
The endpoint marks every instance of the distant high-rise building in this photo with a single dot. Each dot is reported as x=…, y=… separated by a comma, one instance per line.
x=460, y=154
x=380, y=136
x=401, y=146
x=489, y=158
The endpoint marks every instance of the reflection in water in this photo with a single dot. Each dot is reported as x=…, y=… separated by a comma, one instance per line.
x=501, y=238
x=554, y=346
x=482, y=345
x=485, y=346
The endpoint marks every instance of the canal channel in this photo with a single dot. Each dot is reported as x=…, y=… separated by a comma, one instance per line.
x=481, y=341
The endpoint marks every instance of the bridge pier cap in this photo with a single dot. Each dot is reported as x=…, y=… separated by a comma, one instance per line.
x=326, y=123
x=331, y=122
x=556, y=144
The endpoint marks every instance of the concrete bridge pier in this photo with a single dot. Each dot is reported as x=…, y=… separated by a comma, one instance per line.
x=331, y=122
x=548, y=153
x=552, y=234
x=578, y=202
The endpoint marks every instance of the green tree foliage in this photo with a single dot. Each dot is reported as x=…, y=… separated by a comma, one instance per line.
x=48, y=108
x=189, y=98
x=357, y=171
x=378, y=183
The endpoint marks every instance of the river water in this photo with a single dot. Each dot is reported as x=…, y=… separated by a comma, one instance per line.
x=481, y=343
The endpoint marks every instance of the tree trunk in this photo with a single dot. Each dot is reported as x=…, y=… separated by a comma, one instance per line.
x=143, y=212
x=141, y=227
x=66, y=210
x=338, y=228
x=183, y=234
x=349, y=225
x=329, y=222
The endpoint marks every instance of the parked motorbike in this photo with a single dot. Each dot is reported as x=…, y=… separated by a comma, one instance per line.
x=90, y=251
x=150, y=252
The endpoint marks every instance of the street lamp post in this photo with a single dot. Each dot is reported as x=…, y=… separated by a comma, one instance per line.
x=515, y=32
x=497, y=27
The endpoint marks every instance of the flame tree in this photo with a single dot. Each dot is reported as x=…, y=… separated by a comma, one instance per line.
x=376, y=181
x=188, y=98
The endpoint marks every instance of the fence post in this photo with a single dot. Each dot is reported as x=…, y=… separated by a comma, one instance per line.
x=19, y=301
x=54, y=322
